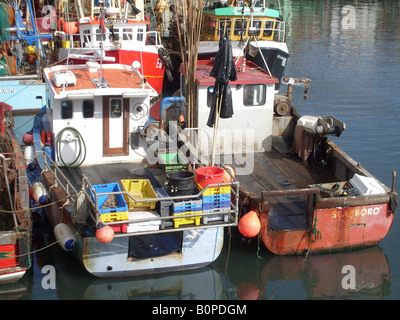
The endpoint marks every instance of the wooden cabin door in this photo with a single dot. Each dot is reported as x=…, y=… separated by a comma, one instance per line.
x=115, y=126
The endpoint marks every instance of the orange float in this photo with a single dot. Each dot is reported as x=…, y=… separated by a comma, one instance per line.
x=249, y=225
x=105, y=234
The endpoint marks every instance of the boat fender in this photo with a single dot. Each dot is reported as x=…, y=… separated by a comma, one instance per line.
x=65, y=237
x=164, y=56
x=27, y=138
x=39, y=193
x=29, y=157
x=249, y=225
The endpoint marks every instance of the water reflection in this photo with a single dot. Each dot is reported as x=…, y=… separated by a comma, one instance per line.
x=316, y=277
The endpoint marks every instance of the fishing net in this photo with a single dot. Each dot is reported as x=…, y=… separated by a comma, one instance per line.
x=6, y=20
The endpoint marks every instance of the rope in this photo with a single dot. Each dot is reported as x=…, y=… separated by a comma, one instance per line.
x=45, y=247
x=39, y=207
x=81, y=208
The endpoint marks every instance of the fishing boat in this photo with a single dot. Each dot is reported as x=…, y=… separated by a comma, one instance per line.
x=257, y=33
x=118, y=217
x=126, y=38
x=24, y=51
x=15, y=220
x=298, y=190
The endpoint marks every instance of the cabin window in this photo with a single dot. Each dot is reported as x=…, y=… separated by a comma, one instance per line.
x=87, y=37
x=210, y=96
x=88, y=108
x=115, y=108
x=240, y=27
x=268, y=28
x=254, y=95
x=224, y=24
x=99, y=33
x=127, y=33
x=255, y=31
x=140, y=34
x=114, y=34
x=66, y=109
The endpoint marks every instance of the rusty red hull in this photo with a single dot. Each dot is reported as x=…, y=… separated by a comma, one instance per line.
x=333, y=229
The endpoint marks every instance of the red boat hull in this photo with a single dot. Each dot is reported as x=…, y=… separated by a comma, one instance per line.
x=334, y=229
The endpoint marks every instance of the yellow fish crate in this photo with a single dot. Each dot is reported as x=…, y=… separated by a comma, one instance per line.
x=139, y=189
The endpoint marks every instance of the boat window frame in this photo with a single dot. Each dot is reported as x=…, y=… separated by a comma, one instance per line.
x=65, y=113
x=114, y=114
x=140, y=34
x=236, y=30
x=210, y=95
x=98, y=34
x=249, y=102
x=84, y=112
x=228, y=26
x=127, y=33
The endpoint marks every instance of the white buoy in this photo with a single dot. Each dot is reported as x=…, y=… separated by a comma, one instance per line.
x=39, y=193
x=65, y=237
x=29, y=153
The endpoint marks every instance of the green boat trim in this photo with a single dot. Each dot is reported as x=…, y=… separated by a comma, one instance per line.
x=238, y=11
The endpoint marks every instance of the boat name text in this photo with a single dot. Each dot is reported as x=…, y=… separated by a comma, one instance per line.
x=11, y=90
x=356, y=212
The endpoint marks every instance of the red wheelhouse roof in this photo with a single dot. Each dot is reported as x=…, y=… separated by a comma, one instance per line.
x=252, y=74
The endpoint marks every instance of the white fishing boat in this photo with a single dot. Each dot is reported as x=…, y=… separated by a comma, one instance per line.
x=115, y=33
x=89, y=149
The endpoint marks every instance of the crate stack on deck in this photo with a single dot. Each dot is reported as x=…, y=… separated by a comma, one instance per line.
x=194, y=211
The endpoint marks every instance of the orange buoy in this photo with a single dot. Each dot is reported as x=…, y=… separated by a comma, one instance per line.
x=247, y=291
x=226, y=177
x=70, y=27
x=249, y=225
x=105, y=234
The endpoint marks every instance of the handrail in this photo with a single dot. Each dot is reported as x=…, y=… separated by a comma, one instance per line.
x=229, y=211
x=63, y=182
x=87, y=42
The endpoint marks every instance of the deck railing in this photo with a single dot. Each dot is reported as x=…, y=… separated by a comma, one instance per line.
x=91, y=196
x=120, y=39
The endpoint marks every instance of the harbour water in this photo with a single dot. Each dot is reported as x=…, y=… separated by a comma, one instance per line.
x=350, y=51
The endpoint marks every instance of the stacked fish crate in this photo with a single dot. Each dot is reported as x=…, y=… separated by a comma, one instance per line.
x=216, y=200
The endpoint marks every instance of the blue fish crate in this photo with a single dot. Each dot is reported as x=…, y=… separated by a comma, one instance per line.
x=210, y=206
x=117, y=205
x=216, y=198
x=187, y=206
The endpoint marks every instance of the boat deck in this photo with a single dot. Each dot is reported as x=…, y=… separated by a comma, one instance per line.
x=274, y=170
x=112, y=172
x=280, y=170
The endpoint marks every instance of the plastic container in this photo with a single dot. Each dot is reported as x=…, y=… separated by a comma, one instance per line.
x=139, y=189
x=181, y=183
x=173, y=161
x=187, y=206
x=118, y=203
x=209, y=175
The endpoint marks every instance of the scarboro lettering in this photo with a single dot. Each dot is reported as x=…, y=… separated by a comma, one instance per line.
x=356, y=212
